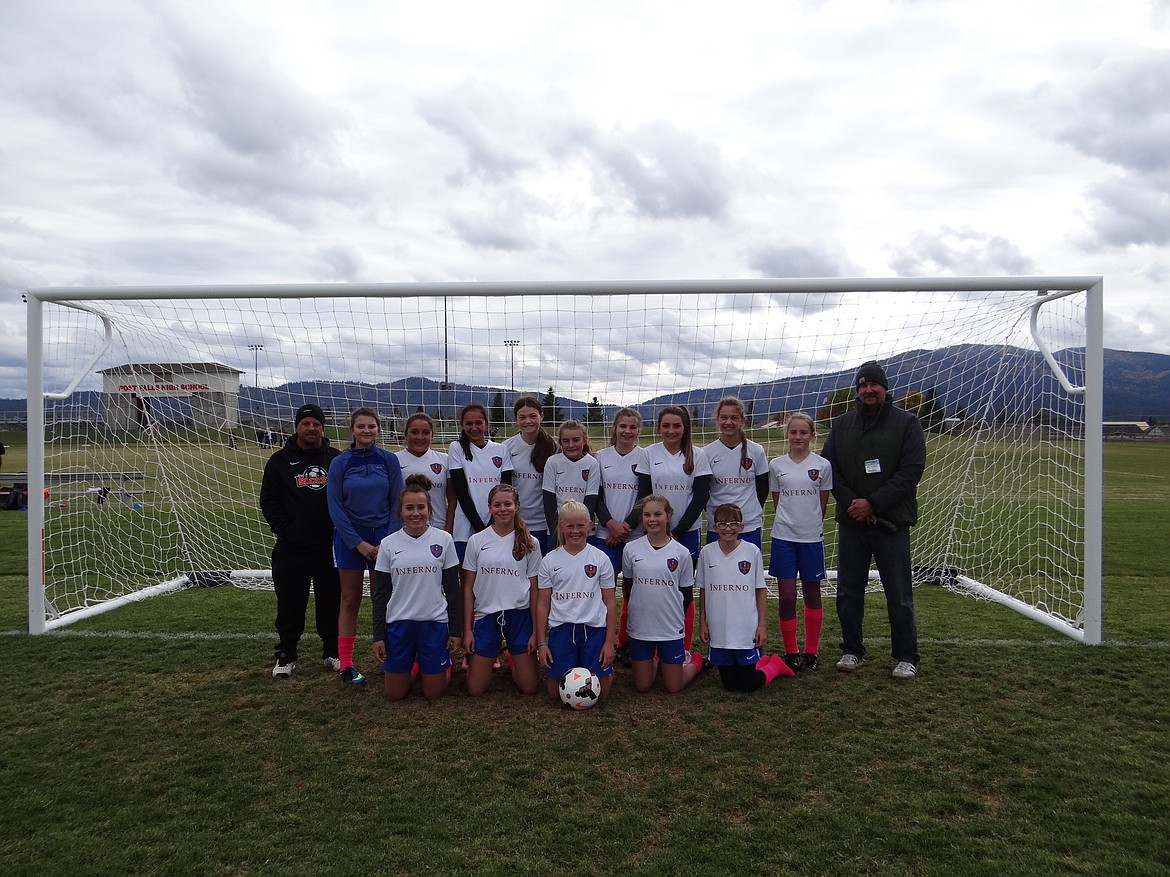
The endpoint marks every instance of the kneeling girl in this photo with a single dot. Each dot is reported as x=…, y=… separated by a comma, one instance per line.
x=733, y=606
x=660, y=578
x=417, y=600
x=499, y=595
x=575, y=609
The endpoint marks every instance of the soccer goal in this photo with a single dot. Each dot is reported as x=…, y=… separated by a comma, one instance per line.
x=161, y=405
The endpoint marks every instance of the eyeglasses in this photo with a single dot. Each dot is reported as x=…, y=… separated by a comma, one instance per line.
x=727, y=525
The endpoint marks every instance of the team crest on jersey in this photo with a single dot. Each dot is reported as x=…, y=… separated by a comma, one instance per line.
x=584, y=474
x=672, y=563
x=745, y=566
x=634, y=468
x=813, y=474
x=747, y=464
x=437, y=550
x=437, y=468
x=516, y=555
x=498, y=461
x=591, y=569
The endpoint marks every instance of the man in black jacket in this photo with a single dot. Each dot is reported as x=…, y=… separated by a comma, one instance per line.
x=292, y=498
x=878, y=454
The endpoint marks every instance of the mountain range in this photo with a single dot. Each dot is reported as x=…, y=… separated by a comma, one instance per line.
x=964, y=380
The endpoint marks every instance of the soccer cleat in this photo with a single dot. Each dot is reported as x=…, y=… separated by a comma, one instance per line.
x=808, y=662
x=333, y=664
x=904, y=670
x=792, y=659
x=351, y=676
x=283, y=668
x=849, y=663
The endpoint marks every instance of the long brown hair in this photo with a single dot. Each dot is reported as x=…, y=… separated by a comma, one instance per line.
x=622, y=412
x=733, y=402
x=524, y=544
x=544, y=447
x=464, y=438
x=688, y=445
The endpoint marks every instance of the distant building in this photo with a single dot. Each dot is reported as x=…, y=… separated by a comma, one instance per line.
x=1124, y=428
x=211, y=390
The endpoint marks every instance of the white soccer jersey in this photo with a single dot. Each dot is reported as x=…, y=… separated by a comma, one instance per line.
x=528, y=482
x=501, y=581
x=576, y=582
x=668, y=478
x=730, y=582
x=656, y=604
x=732, y=482
x=416, y=565
x=432, y=464
x=572, y=479
x=619, y=483
x=798, y=487
x=483, y=471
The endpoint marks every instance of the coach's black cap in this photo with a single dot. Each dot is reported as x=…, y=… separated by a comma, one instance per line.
x=873, y=372
x=310, y=410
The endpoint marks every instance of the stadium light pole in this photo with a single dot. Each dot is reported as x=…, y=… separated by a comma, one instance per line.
x=256, y=348
x=512, y=344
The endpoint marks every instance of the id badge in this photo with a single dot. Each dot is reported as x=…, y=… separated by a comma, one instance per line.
x=873, y=467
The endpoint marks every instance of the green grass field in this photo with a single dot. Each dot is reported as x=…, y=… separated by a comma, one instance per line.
x=153, y=740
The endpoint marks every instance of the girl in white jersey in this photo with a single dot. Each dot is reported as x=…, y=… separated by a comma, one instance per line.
x=418, y=610
x=661, y=583
x=739, y=472
x=800, y=481
x=530, y=449
x=733, y=606
x=418, y=457
x=571, y=473
x=499, y=595
x=575, y=608
x=476, y=465
x=615, y=501
x=676, y=469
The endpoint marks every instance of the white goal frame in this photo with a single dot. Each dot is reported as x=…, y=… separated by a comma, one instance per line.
x=1087, y=628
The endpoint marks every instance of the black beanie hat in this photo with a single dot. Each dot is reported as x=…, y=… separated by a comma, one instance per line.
x=871, y=371
x=310, y=410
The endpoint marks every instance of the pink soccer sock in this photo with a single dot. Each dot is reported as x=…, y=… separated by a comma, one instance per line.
x=689, y=626
x=770, y=667
x=697, y=660
x=813, y=618
x=623, y=638
x=788, y=634
x=345, y=650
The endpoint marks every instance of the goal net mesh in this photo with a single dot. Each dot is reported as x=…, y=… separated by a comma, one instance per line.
x=153, y=464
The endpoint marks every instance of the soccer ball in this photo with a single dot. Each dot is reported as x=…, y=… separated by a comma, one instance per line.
x=580, y=689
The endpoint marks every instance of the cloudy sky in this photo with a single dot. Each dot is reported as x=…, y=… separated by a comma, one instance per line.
x=225, y=141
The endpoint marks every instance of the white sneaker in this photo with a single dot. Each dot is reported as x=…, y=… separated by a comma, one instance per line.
x=849, y=663
x=904, y=670
x=283, y=668
x=333, y=664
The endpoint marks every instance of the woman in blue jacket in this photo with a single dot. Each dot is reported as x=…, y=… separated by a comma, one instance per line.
x=363, y=488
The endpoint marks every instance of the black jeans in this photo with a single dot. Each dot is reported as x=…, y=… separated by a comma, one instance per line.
x=292, y=575
x=856, y=547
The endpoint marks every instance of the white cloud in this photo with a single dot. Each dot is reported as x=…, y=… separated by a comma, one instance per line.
x=302, y=141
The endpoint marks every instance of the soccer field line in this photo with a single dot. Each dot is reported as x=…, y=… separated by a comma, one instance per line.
x=196, y=636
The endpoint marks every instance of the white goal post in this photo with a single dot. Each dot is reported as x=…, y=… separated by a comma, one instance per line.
x=153, y=409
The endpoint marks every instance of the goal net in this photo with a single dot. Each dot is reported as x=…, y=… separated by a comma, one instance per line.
x=162, y=406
